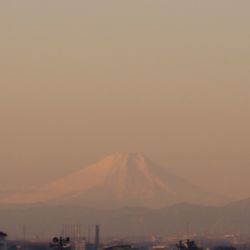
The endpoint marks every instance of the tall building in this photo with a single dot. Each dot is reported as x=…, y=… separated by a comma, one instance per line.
x=97, y=236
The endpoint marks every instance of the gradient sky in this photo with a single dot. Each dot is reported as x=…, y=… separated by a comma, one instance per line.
x=82, y=79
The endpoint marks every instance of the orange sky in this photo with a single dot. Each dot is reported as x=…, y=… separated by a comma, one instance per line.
x=82, y=79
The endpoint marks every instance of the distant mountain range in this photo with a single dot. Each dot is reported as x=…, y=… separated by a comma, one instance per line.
x=117, y=181
x=46, y=221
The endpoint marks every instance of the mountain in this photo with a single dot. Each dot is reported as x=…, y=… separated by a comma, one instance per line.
x=47, y=221
x=118, y=180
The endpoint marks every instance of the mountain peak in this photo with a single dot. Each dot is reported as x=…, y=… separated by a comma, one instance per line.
x=121, y=160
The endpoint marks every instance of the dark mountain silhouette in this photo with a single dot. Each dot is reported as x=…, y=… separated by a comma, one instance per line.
x=46, y=220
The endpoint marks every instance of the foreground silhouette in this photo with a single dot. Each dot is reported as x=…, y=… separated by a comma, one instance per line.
x=188, y=245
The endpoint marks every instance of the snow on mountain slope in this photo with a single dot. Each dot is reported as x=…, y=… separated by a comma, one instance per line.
x=118, y=180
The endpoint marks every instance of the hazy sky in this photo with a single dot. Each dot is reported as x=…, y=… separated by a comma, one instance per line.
x=82, y=79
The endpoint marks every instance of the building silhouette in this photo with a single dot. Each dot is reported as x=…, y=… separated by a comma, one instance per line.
x=3, y=243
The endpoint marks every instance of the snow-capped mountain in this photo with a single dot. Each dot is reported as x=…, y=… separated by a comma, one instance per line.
x=116, y=181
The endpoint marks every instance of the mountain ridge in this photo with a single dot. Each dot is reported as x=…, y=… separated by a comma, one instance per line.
x=132, y=221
